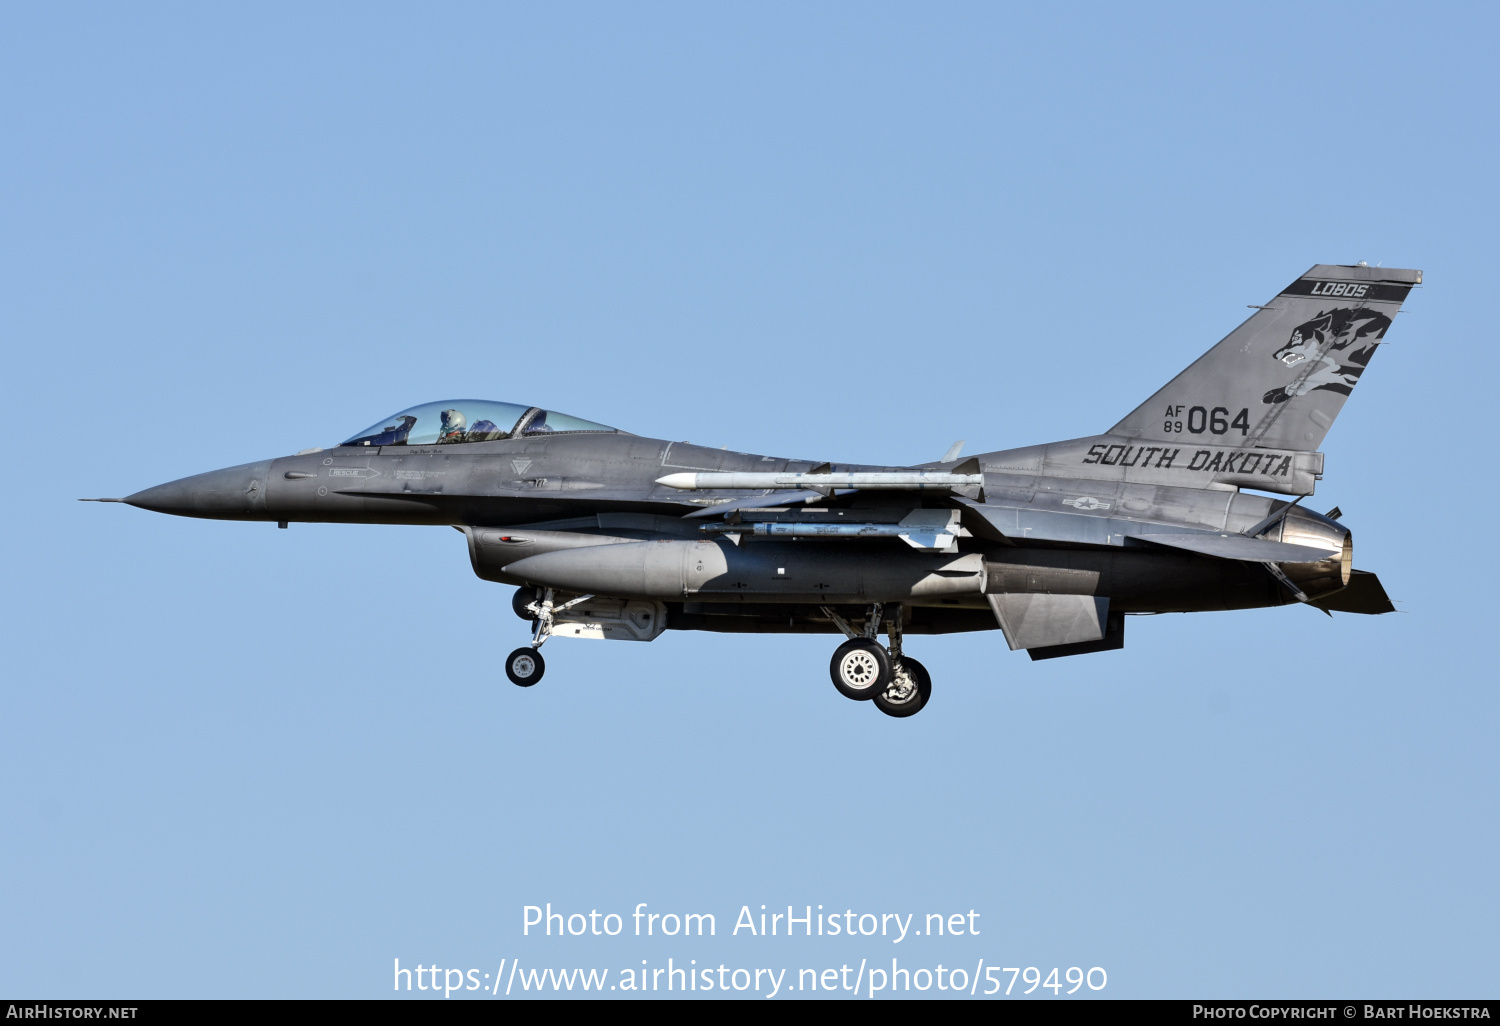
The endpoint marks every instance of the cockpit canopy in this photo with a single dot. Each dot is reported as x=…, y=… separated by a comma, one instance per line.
x=468, y=420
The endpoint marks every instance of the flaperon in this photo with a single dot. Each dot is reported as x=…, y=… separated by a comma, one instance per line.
x=610, y=535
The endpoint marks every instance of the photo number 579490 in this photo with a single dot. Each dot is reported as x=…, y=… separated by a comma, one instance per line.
x=1095, y=978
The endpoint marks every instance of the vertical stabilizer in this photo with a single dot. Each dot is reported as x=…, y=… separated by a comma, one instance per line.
x=1279, y=380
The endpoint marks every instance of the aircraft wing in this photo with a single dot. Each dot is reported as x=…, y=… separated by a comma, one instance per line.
x=1014, y=522
x=1237, y=546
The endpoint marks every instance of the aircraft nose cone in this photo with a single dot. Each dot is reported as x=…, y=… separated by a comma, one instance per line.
x=231, y=493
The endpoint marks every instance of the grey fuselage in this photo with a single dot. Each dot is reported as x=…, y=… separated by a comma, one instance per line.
x=1032, y=530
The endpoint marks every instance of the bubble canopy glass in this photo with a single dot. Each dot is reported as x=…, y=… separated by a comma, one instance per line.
x=467, y=420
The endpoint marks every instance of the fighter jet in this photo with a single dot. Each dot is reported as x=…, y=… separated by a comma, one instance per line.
x=610, y=535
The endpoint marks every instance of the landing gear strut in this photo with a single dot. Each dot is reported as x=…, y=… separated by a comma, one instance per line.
x=525, y=665
x=863, y=669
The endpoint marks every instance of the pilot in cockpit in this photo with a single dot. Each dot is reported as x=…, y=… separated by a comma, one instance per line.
x=451, y=422
x=454, y=427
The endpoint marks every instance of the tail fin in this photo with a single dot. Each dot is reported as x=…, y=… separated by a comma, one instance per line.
x=1279, y=380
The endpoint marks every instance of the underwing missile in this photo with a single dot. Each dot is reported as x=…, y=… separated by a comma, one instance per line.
x=910, y=481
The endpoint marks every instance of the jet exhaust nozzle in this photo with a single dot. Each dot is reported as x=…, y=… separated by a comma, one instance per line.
x=1304, y=527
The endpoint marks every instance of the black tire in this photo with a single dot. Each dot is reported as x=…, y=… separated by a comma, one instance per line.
x=525, y=666
x=860, y=668
x=520, y=600
x=916, y=701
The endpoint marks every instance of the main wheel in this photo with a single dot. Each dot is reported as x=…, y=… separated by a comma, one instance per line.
x=520, y=600
x=860, y=668
x=525, y=666
x=908, y=691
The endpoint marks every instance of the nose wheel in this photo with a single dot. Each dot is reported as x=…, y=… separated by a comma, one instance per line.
x=525, y=666
x=865, y=670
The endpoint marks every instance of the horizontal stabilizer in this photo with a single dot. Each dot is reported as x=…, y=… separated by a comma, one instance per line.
x=1238, y=546
x=1363, y=595
x=1032, y=620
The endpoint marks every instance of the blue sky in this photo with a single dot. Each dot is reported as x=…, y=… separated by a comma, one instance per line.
x=236, y=761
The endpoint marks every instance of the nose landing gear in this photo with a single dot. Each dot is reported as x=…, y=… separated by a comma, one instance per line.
x=863, y=669
x=525, y=665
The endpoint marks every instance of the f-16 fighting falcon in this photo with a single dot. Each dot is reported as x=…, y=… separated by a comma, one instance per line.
x=605, y=534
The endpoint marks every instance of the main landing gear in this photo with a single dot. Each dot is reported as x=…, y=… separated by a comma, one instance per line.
x=864, y=669
x=525, y=665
